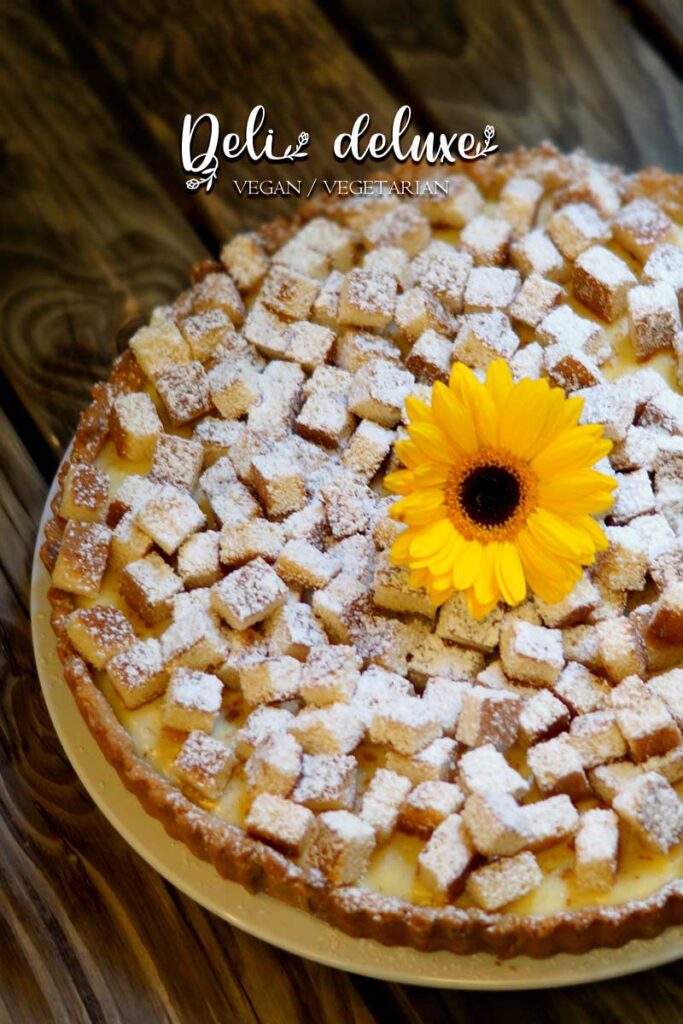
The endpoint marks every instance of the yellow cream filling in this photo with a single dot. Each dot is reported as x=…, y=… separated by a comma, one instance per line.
x=392, y=870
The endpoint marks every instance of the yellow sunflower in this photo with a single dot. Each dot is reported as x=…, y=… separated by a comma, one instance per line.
x=498, y=493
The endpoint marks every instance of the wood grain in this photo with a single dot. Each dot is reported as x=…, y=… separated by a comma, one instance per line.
x=90, y=163
x=88, y=931
x=96, y=229
x=22, y=495
x=89, y=241
x=574, y=71
x=284, y=55
x=650, y=998
x=665, y=22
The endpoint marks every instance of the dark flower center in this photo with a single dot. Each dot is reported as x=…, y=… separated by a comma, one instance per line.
x=490, y=495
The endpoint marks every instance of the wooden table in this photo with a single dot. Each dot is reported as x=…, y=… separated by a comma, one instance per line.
x=96, y=229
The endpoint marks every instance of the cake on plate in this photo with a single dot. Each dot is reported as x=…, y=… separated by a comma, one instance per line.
x=367, y=560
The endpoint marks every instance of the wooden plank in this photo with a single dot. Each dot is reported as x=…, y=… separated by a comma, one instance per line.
x=655, y=997
x=89, y=932
x=80, y=942
x=662, y=20
x=93, y=236
x=575, y=71
x=89, y=242
x=284, y=56
x=22, y=495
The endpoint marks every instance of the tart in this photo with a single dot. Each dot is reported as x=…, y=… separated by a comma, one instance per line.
x=282, y=694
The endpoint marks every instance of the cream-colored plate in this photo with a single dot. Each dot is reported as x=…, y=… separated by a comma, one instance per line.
x=272, y=921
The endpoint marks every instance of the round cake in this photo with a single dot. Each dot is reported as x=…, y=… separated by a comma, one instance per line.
x=367, y=559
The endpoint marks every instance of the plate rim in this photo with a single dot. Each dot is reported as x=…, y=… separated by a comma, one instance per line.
x=363, y=957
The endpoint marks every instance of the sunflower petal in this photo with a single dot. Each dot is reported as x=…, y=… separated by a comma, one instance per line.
x=427, y=498
x=444, y=561
x=466, y=568
x=523, y=416
x=572, y=450
x=499, y=381
x=509, y=573
x=441, y=583
x=485, y=586
x=417, y=410
x=431, y=541
x=408, y=454
x=400, y=482
x=592, y=527
x=538, y=562
x=439, y=597
x=418, y=578
x=400, y=549
x=559, y=535
x=573, y=493
x=481, y=410
x=529, y=420
x=453, y=419
x=432, y=442
x=476, y=609
x=431, y=475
